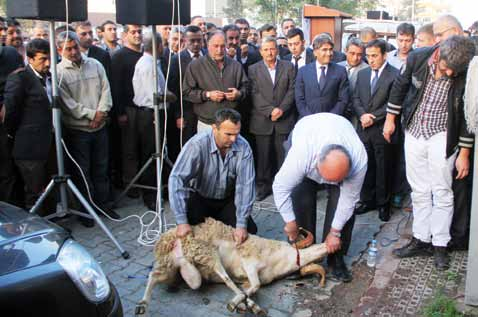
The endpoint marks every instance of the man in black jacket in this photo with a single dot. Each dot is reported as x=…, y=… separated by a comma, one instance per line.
x=84, y=31
x=184, y=117
x=28, y=118
x=273, y=112
x=435, y=135
x=9, y=61
x=370, y=104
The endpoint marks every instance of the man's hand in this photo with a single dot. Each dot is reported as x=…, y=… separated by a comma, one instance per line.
x=216, y=95
x=122, y=120
x=276, y=114
x=367, y=120
x=332, y=243
x=99, y=118
x=180, y=123
x=232, y=94
x=2, y=113
x=240, y=235
x=231, y=52
x=389, y=127
x=244, y=50
x=291, y=230
x=183, y=230
x=462, y=163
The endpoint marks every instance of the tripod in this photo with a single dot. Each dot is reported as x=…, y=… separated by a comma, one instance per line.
x=63, y=180
x=160, y=153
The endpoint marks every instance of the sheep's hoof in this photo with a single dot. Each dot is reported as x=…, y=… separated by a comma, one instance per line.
x=140, y=309
x=261, y=313
x=231, y=307
x=241, y=308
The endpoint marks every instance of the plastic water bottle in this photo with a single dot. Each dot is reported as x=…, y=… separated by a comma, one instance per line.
x=372, y=254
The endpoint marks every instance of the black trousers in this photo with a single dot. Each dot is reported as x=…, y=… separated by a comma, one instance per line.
x=174, y=134
x=8, y=176
x=138, y=147
x=377, y=182
x=462, y=192
x=400, y=185
x=224, y=210
x=270, y=155
x=304, y=202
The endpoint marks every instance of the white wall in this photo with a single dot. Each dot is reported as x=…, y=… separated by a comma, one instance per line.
x=104, y=6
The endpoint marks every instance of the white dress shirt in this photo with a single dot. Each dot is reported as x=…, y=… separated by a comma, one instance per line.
x=272, y=71
x=319, y=71
x=309, y=136
x=379, y=72
x=143, y=81
x=302, y=59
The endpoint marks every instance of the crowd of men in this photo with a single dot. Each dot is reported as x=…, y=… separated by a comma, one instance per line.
x=257, y=112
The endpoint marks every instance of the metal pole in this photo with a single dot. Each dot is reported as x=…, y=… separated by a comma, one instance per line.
x=471, y=290
x=157, y=124
x=57, y=117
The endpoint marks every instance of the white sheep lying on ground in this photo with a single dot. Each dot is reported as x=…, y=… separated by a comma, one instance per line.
x=210, y=253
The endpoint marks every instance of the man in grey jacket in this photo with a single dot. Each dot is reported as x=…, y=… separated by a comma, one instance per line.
x=214, y=82
x=86, y=101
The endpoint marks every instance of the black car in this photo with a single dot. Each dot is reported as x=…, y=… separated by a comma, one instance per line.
x=44, y=272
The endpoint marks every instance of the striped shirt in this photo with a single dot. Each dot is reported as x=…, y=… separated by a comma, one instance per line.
x=310, y=135
x=431, y=115
x=200, y=168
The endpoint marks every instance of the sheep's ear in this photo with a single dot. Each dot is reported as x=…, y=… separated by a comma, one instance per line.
x=190, y=274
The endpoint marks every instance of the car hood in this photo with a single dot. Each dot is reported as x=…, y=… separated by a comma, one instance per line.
x=26, y=240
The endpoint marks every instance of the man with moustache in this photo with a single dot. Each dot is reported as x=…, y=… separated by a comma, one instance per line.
x=273, y=112
x=214, y=81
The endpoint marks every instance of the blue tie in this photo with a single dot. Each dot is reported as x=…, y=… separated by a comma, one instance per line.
x=322, y=78
x=374, y=82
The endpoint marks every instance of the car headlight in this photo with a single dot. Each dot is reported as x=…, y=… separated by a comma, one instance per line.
x=85, y=272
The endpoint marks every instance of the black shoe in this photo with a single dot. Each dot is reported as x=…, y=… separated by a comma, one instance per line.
x=339, y=271
x=263, y=194
x=454, y=245
x=133, y=193
x=362, y=208
x=151, y=204
x=414, y=248
x=87, y=222
x=110, y=212
x=384, y=213
x=442, y=259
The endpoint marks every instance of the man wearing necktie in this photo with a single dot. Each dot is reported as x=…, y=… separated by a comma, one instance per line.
x=322, y=86
x=299, y=56
x=184, y=118
x=28, y=119
x=370, y=104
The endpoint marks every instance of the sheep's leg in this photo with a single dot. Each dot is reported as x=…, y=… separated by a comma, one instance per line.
x=240, y=296
x=153, y=279
x=254, y=284
x=314, y=268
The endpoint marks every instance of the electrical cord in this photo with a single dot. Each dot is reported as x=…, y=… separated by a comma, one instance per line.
x=386, y=241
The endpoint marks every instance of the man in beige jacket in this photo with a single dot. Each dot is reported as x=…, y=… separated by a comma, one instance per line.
x=86, y=101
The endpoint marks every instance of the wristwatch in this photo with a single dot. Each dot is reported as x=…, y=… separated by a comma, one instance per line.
x=335, y=234
x=208, y=95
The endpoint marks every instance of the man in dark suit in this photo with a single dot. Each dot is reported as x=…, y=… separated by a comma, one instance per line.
x=370, y=104
x=84, y=30
x=28, y=118
x=244, y=30
x=299, y=56
x=269, y=30
x=273, y=114
x=322, y=86
x=184, y=117
x=238, y=49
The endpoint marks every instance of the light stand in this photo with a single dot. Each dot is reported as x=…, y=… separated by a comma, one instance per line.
x=62, y=179
x=159, y=156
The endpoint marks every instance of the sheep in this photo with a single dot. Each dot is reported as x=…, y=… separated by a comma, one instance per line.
x=210, y=254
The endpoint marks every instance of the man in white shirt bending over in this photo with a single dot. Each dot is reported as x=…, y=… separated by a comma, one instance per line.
x=325, y=153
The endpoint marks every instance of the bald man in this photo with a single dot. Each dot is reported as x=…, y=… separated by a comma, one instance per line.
x=446, y=26
x=325, y=153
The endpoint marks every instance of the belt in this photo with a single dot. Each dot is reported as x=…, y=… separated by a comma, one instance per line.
x=145, y=108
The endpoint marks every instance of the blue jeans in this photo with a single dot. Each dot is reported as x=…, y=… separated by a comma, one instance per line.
x=90, y=151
